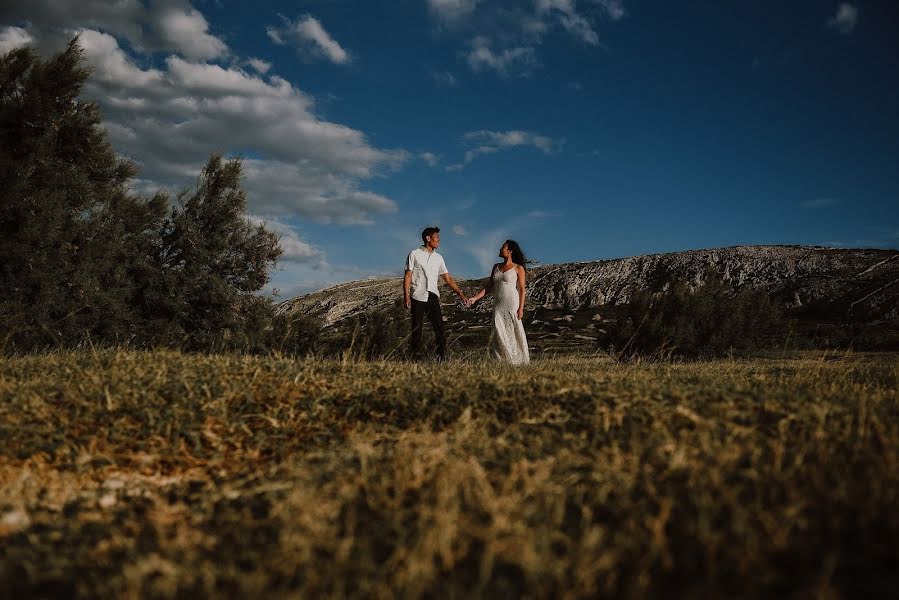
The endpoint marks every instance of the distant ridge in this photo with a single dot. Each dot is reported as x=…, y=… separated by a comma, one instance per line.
x=818, y=283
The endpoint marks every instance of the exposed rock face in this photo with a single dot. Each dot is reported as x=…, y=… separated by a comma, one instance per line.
x=800, y=276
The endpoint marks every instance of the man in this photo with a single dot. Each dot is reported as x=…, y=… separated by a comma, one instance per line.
x=420, y=294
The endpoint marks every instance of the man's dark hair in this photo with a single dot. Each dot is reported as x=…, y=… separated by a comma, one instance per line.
x=428, y=231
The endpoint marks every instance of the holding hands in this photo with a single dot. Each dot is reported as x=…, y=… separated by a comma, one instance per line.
x=471, y=301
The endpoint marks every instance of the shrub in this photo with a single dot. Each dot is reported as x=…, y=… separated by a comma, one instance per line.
x=711, y=320
x=381, y=333
x=297, y=335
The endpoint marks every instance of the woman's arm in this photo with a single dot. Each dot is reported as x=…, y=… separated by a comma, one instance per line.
x=484, y=290
x=521, y=290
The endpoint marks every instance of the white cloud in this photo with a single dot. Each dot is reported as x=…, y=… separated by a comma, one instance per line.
x=513, y=138
x=309, y=36
x=13, y=37
x=185, y=28
x=614, y=9
x=274, y=34
x=172, y=118
x=573, y=23
x=160, y=25
x=279, y=188
x=459, y=230
x=112, y=66
x=515, y=60
x=491, y=142
x=294, y=249
x=259, y=65
x=452, y=11
x=430, y=158
x=845, y=19
x=506, y=39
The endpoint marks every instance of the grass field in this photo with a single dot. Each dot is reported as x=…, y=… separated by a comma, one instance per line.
x=162, y=474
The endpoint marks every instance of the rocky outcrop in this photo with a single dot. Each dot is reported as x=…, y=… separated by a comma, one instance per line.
x=837, y=281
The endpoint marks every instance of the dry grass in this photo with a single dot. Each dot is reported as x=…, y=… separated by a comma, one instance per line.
x=162, y=474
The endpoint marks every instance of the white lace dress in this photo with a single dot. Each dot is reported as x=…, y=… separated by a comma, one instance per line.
x=509, y=342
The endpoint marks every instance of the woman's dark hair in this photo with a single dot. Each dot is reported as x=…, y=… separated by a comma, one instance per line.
x=428, y=232
x=518, y=256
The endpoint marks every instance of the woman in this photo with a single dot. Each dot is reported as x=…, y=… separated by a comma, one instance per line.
x=507, y=284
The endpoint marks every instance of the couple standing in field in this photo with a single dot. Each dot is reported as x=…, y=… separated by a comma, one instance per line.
x=424, y=266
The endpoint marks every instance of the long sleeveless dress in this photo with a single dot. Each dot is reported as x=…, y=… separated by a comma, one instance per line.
x=509, y=341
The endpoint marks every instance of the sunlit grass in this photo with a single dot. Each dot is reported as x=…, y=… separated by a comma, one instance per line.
x=164, y=474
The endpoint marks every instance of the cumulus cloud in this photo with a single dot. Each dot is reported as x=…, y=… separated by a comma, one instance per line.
x=845, y=19
x=490, y=142
x=184, y=28
x=159, y=25
x=13, y=37
x=280, y=188
x=171, y=118
x=310, y=37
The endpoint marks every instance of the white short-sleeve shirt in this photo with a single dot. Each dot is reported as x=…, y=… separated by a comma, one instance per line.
x=426, y=268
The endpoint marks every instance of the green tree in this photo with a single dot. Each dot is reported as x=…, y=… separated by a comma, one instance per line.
x=82, y=256
x=72, y=235
x=214, y=261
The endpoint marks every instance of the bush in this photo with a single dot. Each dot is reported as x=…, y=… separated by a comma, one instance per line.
x=711, y=320
x=297, y=335
x=378, y=334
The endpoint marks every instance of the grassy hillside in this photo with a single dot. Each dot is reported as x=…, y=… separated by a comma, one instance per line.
x=164, y=474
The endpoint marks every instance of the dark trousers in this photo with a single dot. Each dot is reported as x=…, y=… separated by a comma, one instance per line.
x=431, y=308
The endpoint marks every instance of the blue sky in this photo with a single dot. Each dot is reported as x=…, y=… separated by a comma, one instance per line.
x=585, y=129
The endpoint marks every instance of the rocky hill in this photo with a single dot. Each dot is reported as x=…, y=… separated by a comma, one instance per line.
x=566, y=303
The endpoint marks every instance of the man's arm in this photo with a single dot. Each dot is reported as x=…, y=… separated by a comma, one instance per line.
x=407, y=284
x=452, y=284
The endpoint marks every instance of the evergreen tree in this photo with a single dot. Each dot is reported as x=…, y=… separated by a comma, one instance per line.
x=71, y=233
x=214, y=261
x=81, y=256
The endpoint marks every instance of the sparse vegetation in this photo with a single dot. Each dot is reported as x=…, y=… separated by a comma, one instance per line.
x=379, y=334
x=708, y=321
x=165, y=474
